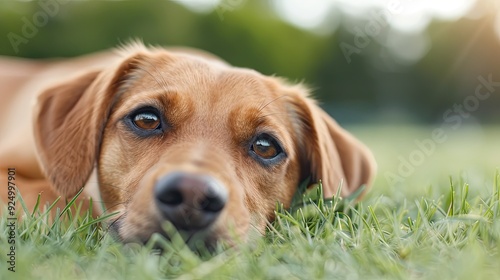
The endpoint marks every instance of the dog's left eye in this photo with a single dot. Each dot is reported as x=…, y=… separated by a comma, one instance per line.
x=266, y=147
x=146, y=121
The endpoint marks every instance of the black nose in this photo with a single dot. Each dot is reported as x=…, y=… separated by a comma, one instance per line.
x=189, y=201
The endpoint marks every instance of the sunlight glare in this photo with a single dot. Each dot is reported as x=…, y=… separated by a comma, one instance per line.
x=305, y=14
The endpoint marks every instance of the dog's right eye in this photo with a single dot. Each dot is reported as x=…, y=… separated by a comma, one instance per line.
x=146, y=121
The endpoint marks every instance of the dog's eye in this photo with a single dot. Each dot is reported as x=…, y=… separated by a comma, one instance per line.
x=146, y=120
x=266, y=147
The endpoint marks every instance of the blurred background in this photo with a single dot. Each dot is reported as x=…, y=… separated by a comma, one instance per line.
x=392, y=71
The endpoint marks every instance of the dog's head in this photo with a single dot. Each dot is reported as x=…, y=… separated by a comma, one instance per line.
x=191, y=140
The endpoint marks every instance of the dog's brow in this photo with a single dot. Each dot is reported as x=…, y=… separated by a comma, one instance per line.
x=134, y=98
x=141, y=94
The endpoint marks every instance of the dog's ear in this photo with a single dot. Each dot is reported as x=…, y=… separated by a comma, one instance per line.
x=68, y=123
x=328, y=152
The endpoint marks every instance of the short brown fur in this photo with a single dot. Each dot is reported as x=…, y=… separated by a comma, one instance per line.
x=212, y=111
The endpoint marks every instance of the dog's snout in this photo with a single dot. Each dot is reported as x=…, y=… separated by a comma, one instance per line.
x=190, y=201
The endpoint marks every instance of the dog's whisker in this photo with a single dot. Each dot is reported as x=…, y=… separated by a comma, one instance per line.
x=162, y=78
x=271, y=114
x=155, y=78
x=114, y=204
x=267, y=104
x=110, y=227
x=161, y=82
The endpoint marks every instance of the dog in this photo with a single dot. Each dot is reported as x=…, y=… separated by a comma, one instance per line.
x=177, y=135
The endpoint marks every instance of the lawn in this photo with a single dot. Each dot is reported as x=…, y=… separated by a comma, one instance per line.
x=433, y=213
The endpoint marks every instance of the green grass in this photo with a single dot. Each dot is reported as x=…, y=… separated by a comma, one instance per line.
x=441, y=222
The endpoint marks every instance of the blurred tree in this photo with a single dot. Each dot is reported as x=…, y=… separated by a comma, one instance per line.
x=371, y=86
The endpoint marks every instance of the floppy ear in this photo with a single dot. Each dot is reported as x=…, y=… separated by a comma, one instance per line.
x=68, y=123
x=329, y=153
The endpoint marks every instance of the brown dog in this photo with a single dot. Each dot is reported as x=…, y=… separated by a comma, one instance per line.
x=174, y=135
